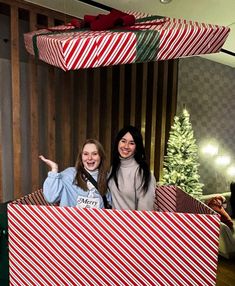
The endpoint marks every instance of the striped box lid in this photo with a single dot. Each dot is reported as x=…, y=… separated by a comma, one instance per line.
x=153, y=40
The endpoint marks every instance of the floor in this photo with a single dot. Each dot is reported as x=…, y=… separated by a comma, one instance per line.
x=226, y=272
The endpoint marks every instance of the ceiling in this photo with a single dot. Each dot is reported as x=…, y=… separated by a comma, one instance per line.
x=219, y=12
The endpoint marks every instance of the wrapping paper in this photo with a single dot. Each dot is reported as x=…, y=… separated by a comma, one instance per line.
x=51, y=245
x=155, y=38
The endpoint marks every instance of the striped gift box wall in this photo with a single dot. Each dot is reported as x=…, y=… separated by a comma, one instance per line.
x=36, y=198
x=173, y=199
x=50, y=245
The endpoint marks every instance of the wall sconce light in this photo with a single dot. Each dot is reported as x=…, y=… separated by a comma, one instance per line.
x=222, y=160
x=231, y=171
x=165, y=1
x=210, y=149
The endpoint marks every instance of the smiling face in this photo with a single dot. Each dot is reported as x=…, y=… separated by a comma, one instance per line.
x=126, y=146
x=90, y=157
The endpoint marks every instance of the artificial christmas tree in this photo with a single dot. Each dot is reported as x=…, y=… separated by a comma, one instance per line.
x=181, y=161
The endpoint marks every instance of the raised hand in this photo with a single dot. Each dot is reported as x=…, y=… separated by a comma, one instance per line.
x=51, y=164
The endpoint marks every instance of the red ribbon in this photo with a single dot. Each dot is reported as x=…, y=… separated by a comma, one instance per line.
x=115, y=19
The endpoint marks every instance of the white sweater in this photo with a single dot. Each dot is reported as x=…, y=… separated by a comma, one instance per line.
x=130, y=193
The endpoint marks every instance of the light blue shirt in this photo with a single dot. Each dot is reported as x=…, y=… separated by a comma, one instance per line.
x=60, y=188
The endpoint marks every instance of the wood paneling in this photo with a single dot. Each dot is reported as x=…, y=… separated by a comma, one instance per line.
x=67, y=120
x=225, y=271
x=154, y=134
x=15, y=77
x=133, y=95
x=121, y=96
x=80, y=106
x=106, y=109
x=143, y=99
x=93, y=105
x=161, y=117
x=51, y=112
x=150, y=121
x=139, y=89
x=65, y=108
x=34, y=117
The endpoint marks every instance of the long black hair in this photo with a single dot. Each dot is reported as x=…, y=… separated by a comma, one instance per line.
x=139, y=156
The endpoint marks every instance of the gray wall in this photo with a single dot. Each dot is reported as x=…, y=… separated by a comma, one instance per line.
x=207, y=89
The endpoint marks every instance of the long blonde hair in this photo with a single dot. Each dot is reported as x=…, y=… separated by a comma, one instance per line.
x=102, y=175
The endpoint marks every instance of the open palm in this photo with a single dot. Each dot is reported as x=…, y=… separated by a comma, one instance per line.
x=51, y=164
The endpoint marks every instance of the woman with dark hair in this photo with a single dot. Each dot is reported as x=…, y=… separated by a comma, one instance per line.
x=84, y=185
x=130, y=181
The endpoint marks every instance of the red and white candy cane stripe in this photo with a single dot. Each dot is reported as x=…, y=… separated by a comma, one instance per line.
x=165, y=198
x=84, y=49
x=209, y=39
x=173, y=199
x=116, y=48
x=51, y=245
x=35, y=198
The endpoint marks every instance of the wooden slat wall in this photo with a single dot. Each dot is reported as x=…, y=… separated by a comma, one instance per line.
x=51, y=107
x=16, y=104
x=34, y=120
x=66, y=108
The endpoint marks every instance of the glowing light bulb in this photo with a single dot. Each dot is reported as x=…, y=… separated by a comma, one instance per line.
x=231, y=171
x=222, y=160
x=210, y=149
x=165, y=1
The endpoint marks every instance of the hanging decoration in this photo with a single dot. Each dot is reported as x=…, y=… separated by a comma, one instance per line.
x=123, y=38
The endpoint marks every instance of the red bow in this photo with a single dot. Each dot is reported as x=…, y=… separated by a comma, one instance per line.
x=101, y=22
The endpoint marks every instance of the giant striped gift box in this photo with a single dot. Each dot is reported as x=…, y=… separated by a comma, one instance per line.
x=51, y=245
x=158, y=39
